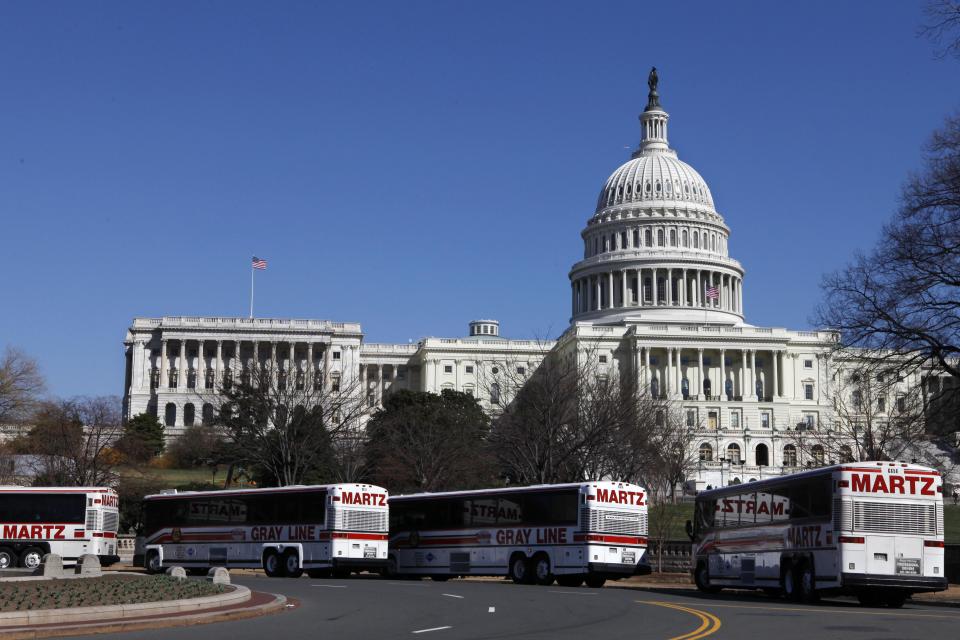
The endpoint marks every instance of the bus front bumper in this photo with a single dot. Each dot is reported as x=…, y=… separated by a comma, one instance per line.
x=915, y=584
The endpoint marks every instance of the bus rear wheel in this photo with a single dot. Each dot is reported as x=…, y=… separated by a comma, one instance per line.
x=807, y=586
x=152, y=562
x=31, y=557
x=895, y=600
x=541, y=569
x=520, y=569
x=272, y=565
x=790, y=589
x=7, y=558
x=595, y=581
x=291, y=564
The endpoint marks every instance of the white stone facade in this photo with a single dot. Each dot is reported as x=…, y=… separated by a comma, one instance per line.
x=656, y=293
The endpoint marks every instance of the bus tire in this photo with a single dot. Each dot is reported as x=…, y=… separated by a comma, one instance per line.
x=895, y=599
x=789, y=585
x=807, y=582
x=152, y=562
x=595, y=581
x=570, y=580
x=541, y=569
x=8, y=558
x=391, y=570
x=520, y=571
x=291, y=564
x=31, y=557
x=440, y=577
x=272, y=566
x=701, y=578
x=869, y=598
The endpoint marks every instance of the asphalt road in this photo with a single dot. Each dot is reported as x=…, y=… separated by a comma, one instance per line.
x=374, y=608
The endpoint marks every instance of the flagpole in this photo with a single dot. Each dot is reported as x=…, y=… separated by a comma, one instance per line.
x=251, y=289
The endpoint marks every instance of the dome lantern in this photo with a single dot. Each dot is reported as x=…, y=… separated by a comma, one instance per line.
x=653, y=120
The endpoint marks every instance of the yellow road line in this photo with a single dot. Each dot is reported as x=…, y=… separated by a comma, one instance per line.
x=833, y=610
x=709, y=623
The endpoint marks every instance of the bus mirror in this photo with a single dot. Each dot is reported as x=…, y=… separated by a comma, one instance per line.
x=689, y=528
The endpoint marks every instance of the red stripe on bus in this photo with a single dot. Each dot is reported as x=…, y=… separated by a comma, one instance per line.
x=862, y=469
x=109, y=534
x=78, y=533
x=933, y=543
x=596, y=537
x=917, y=472
x=358, y=536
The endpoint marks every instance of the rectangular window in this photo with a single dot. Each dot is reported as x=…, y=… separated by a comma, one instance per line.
x=603, y=359
x=810, y=420
x=371, y=400
x=808, y=391
x=401, y=374
x=764, y=420
x=691, y=417
x=808, y=364
x=521, y=370
x=469, y=368
x=335, y=384
x=26, y=508
x=901, y=404
x=734, y=419
x=336, y=355
x=881, y=404
x=448, y=368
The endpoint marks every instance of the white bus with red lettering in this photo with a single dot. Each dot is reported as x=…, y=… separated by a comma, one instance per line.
x=67, y=521
x=321, y=529
x=870, y=529
x=588, y=531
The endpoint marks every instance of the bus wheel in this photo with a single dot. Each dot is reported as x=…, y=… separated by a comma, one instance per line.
x=895, y=600
x=541, y=569
x=570, y=581
x=272, y=565
x=807, y=587
x=595, y=581
x=519, y=569
x=439, y=578
x=790, y=587
x=291, y=564
x=7, y=558
x=701, y=577
x=869, y=598
x=152, y=562
x=31, y=558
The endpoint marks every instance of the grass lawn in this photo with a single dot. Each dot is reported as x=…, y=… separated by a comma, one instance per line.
x=175, y=477
x=676, y=516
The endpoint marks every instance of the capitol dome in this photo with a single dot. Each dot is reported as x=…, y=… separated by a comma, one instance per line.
x=655, y=247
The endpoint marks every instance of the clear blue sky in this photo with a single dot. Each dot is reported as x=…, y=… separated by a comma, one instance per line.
x=414, y=165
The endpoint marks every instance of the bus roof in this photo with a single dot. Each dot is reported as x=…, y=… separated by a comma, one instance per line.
x=774, y=481
x=15, y=488
x=533, y=487
x=288, y=489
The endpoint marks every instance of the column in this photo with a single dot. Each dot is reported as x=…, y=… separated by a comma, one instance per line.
x=723, y=374
x=776, y=377
x=597, y=295
x=753, y=374
x=646, y=367
x=573, y=298
x=743, y=374
x=326, y=365
x=308, y=374
x=456, y=375
x=201, y=366
x=623, y=287
x=610, y=290
x=181, y=366
x=679, y=371
x=654, y=287
x=218, y=366
x=669, y=287
x=699, y=293
x=668, y=374
x=636, y=366
x=292, y=366
x=683, y=288
x=793, y=386
x=700, y=394
x=273, y=362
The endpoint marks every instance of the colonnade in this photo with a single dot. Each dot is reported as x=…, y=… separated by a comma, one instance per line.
x=657, y=287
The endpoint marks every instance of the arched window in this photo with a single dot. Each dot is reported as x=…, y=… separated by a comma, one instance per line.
x=170, y=414
x=729, y=389
x=659, y=237
x=789, y=456
x=207, y=416
x=673, y=237
x=762, y=455
x=733, y=453
x=817, y=453
x=636, y=238
x=648, y=238
x=495, y=393
x=706, y=452
x=188, y=414
x=707, y=387
x=685, y=238
x=846, y=453
x=623, y=240
x=696, y=240
x=655, y=387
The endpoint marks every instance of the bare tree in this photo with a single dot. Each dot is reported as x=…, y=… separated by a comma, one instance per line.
x=901, y=301
x=283, y=426
x=943, y=26
x=21, y=384
x=72, y=441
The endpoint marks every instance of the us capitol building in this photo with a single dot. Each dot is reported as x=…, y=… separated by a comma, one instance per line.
x=655, y=293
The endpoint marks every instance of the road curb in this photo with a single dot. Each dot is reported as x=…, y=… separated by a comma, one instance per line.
x=275, y=603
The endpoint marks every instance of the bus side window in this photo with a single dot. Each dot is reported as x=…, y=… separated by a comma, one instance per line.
x=704, y=521
x=764, y=503
x=799, y=500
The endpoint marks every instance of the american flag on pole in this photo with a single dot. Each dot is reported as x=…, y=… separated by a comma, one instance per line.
x=713, y=293
x=259, y=263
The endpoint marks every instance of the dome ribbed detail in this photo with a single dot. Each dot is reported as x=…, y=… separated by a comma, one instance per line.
x=654, y=177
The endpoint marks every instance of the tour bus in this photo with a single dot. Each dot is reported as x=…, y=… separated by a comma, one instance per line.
x=588, y=531
x=870, y=529
x=67, y=521
x=321, y=529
